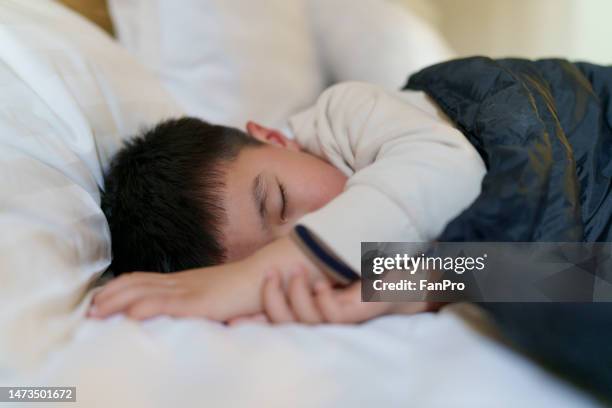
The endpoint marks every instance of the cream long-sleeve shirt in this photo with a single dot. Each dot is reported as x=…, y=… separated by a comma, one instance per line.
x=410, y=171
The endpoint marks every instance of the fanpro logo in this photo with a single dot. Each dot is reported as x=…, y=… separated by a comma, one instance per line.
x=412, y=264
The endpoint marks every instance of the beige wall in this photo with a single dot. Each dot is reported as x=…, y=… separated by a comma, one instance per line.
x=95, y=10
x=575, y=29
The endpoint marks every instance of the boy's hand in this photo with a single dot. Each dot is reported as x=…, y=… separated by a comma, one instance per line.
x=218, y=293
x=321, y=304
x=298, y=302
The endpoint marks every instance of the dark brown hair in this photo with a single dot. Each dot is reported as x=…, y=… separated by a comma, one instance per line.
x=163, y=194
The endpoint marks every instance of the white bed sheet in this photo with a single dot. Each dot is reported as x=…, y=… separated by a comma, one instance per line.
x=426, y=360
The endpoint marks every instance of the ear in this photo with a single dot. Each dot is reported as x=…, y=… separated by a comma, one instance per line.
x=271, y=136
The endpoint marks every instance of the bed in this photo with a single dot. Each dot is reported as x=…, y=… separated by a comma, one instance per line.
x=70, y=96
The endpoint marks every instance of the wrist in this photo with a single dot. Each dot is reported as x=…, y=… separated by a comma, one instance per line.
x=284, y=257
x=244, y=277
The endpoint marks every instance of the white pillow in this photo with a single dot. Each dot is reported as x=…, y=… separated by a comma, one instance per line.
x=227, y=61
x=68, y=96
x=378, y=41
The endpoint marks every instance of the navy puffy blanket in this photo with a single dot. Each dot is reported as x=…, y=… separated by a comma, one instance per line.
x=544, y=130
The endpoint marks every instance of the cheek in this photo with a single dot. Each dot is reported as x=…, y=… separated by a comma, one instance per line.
x=328, y=183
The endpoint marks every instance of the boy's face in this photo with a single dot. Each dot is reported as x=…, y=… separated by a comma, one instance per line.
x=254, y=183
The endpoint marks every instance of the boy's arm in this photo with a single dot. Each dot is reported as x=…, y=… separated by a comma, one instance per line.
x=219, y=292
x=275, y=280
x=410, y=172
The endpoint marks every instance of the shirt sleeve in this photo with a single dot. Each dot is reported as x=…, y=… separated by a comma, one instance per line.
x=410, y=171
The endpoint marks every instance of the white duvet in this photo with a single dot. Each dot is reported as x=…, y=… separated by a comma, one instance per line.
x=427, y=360
x=68, y=96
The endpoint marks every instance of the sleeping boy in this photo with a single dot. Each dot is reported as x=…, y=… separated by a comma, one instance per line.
x=259, y=225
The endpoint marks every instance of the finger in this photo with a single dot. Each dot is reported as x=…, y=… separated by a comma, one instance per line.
x=327, y=303
x=275, y=303
x=256, y=318
x=122, y=299
x=354, y=309
x=301, y=300
x=345, y=305
x=124, y=281
x=148, y=307
x=260, y=318
x=350, y=294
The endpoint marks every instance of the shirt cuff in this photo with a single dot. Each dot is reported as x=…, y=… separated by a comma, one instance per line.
x=323, y=256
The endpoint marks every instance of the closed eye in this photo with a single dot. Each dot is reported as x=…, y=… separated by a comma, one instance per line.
x=283, y=193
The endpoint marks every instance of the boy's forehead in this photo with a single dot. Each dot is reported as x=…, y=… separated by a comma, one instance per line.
x=253, y=161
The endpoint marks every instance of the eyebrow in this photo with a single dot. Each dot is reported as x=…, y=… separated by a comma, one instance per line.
x=260, y=194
